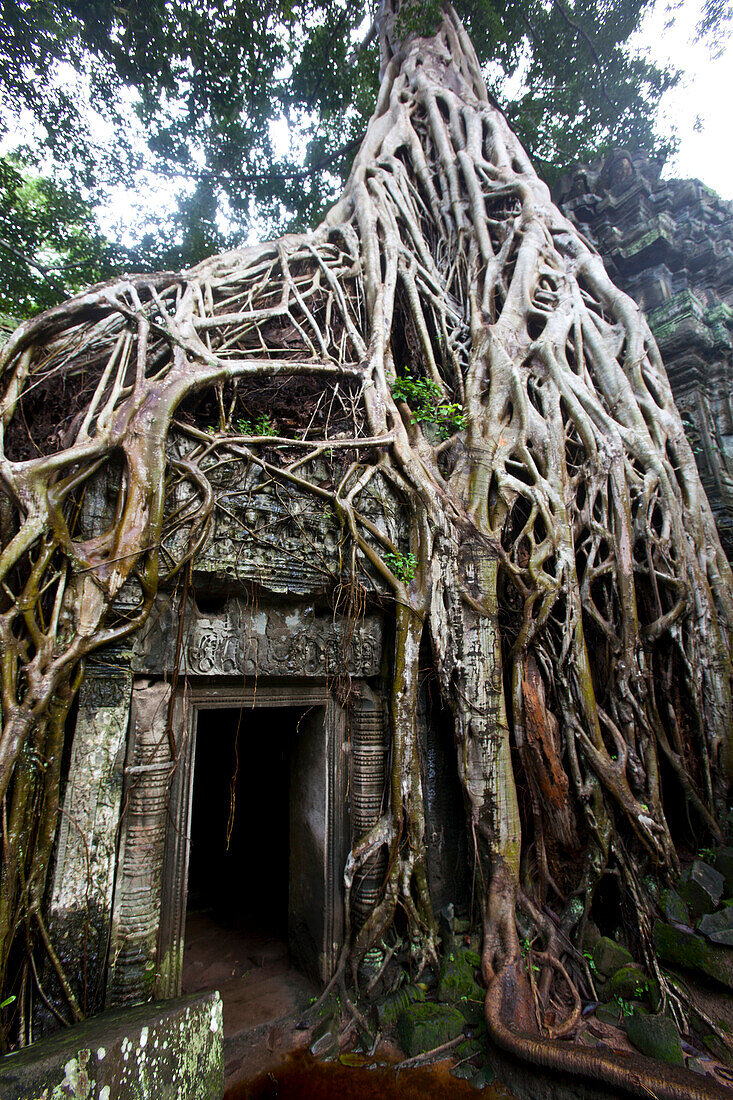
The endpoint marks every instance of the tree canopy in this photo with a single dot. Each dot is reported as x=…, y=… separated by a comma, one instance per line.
x=189, y=91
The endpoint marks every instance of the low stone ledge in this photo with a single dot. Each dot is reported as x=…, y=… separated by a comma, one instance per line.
x=171, y=1050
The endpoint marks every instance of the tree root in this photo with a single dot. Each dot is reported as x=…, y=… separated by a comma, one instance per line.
x=632, y=1073
x=431, y=1055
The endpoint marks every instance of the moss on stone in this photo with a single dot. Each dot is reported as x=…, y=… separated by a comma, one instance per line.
x=655, y=1036
x=610, y=956
x=457, y=983
x=631, y=983
x=691, y=952
x=423, y=1027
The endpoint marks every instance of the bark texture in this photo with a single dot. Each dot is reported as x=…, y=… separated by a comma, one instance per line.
x=562, y=556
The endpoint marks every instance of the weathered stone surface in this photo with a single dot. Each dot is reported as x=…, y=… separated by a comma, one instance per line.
x=80, y=908
x=673, y=907
x=718, y=1049
x=718, y=927
x=457, y=982
x=609, y=956
x=702, y=888
x=170, y=1051
x=286, y=542
x=724, y=864
x=611, y=1013
x=690, y=951
x=631, y=983
x=136, y=914
x=391, y=1008
x=669, y=244
x=475, y=1077
x=241, y=639
x=423, y=1027
x=324, y=1041
x=655, y=1036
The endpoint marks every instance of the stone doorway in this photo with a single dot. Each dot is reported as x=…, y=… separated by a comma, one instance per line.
x=243, y=785
x=277, y=889
x=245, y=929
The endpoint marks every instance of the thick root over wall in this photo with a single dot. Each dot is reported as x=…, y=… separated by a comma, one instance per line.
x=561, y=560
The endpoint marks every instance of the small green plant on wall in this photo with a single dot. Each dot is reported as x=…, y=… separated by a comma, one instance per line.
x=425, y=400
x=403, y=566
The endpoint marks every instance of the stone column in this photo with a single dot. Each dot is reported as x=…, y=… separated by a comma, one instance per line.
x=80, y=909
x=368, y=777
x=138, y=889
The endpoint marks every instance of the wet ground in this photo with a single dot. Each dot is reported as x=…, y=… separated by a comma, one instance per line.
x=302, y=1076
x=252, y=971
x=264, y=997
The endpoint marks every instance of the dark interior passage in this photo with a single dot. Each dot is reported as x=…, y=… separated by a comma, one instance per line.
x=236, y=936
x=239, y=855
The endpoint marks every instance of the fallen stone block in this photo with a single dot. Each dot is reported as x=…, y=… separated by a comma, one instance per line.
x=171, y=1050
x=702, y=888
x=724, y=865
x=610, y=956
x=673, y=907
x=657, y=1037
x=457, y=983
x=423, y=1027
x=718, y=927
x=684, y=948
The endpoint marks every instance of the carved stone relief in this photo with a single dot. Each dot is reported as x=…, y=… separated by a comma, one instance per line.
x=272, y=534
x=136, y=916
x=247, y=640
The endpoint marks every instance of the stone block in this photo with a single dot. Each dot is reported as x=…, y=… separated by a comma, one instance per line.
x=686, y=949
x=390, y=1009
x=609, y=956
x=324, y=1041
x=631, y=983
x=166, y=1051
x=611, y=1014
x=702, y=888
x=591, y=935
x=723, y=863
x=423, y=1027
x=457, y=983
x=718, y=927
x=673, y=907
x=657, y=1037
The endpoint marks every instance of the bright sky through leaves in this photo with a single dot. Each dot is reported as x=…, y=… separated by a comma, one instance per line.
x=705, y=93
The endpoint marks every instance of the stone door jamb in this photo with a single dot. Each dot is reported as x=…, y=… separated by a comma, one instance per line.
x=175, y=865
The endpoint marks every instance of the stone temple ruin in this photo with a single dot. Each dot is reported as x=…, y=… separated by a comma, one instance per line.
x=245, y=693
x=249, y=708
x=669, y=244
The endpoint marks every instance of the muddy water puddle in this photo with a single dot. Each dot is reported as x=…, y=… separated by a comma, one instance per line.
x=302, y=1076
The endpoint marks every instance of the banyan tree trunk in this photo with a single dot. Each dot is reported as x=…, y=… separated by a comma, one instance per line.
x=561, y=554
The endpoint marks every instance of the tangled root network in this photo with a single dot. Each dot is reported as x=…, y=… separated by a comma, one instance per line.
x=457, y=343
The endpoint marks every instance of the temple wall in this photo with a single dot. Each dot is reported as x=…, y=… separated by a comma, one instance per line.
x=669, y=244
x=256, y=626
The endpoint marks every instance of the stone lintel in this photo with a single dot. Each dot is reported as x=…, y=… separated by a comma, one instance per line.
x=245, y=639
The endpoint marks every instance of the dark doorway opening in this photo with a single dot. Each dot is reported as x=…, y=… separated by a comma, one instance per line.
x=240, y=817
x=236, y=937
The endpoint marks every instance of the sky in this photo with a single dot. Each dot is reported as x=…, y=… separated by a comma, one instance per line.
x=702, y=104
x=701, y=108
